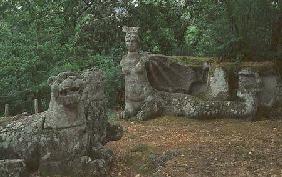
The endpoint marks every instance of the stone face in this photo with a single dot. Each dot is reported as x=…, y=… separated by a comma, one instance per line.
x=66, y=101
x=68, y=138
x=131, y=38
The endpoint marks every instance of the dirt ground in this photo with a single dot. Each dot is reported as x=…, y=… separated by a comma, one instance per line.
x=180, y=147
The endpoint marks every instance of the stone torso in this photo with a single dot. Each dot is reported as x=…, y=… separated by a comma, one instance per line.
x=134, y=71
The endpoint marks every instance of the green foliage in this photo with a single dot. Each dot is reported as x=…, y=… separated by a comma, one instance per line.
x=234, y=29
x=42, y=38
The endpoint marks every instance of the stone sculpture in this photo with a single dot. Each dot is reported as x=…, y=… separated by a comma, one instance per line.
x=68, y=138
x=133, y=64
x=154, y=86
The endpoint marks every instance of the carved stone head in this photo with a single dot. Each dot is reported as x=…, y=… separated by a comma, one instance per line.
x=66, y=88
x=72, y=94
x=131, y=38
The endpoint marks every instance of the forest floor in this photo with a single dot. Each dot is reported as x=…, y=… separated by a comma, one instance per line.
x=180, y=147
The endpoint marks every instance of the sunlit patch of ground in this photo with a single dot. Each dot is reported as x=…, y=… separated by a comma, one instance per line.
x=204, y=148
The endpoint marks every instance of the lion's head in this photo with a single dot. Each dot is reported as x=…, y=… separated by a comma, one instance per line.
x=66, y=88
x=72, y=95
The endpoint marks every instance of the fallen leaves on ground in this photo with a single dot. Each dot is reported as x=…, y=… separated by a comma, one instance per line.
x=223, y=147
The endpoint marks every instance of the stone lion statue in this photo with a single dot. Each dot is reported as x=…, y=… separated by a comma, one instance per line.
x=68, y=138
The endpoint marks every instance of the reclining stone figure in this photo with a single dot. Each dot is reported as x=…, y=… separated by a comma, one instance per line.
x=68, y=138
